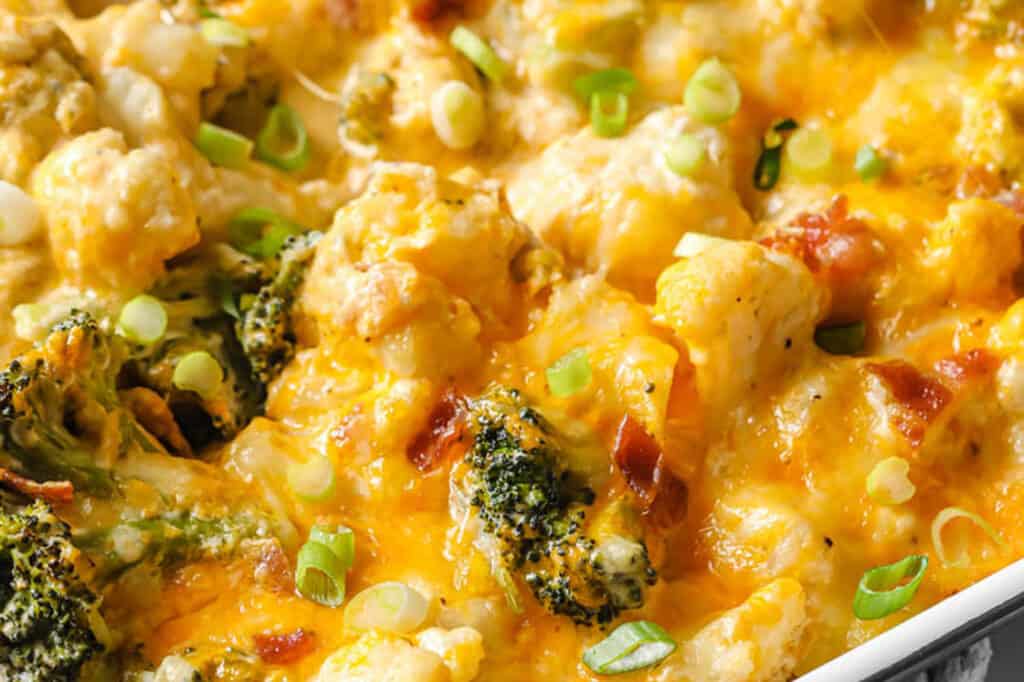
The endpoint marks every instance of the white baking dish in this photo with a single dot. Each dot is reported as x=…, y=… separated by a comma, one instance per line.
x=933, y=635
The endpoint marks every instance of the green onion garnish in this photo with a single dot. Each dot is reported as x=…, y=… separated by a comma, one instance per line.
x=320, y=574
x=339, y=539
x=606, y=80
x=888, y=482
x=222, y=146
x=198, y=372
x=223, y=33
x=283, y=142
x=947, y=515
x=869, y=164
x=260, y=232
x=390, y=606
x=479, y=52
x=143, y=320
x=809, y=150
x=769, y=164
x=570, y=374
x=312, y=481
x=631, y=646
x=685, y=154
x=457, y=112
x=712, y=94
x=880, y=592
x=846, y=339
x=609, y=112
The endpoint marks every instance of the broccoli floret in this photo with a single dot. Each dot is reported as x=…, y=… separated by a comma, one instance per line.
x=58, y=403
x=50, y=626
x=534, y=517
x=265, y=328
x=169, y=540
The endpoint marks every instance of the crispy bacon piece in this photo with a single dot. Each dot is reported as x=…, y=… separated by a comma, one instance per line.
x=921, y=398
x=154, y=414
x=282, y=649
x=662, y=496
x=55, y=492
x=445, y=428
x=837, y=247
x=968, y=366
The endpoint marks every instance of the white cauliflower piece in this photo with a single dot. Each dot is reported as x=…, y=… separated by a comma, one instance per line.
x=377, y=657
x=614, y=205
x=745, y=313
x=413, y=324
x=758, y=641
x=114, y=216
x=463, y=236
x=174, y=55
x=975, y=249
x=462, y=650
x=45, y=94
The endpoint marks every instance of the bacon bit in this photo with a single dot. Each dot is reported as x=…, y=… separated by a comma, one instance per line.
x=286, y=648
x=56, y=492
x=920, y=397
x=272, y=570
x=427, y=11
x=662, y=496
x=838, y=248
x=963, y=367
x=445, y=428
x=156, y=417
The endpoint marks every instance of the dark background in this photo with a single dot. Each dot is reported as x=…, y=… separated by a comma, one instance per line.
x=1008, y=653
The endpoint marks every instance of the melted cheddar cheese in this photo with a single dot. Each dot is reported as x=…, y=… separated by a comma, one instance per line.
x=696, y=297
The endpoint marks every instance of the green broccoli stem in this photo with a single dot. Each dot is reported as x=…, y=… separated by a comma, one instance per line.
x=167, y=541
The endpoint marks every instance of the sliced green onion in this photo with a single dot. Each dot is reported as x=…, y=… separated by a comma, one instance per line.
x=143, y=320
x=880, y=592
x=320, y=575
x=283, y=142
x=223, y=33
x=569, y=374
x=457, y=112
x=685, y=154
x=260, y=232
x=809, y=150
x=631, y=646
x=609, y=113
x=846, y=339
x=773, y=138
x=339, y=539
x=769, y=164
x=312, y=481
x=712, y=94
x=20, y=218
x=947, y=515
x=606, y=80
x=198, y=372
x=205, y=12
x=869, y=164
x=888, y=482
x=222, y=146
x=479, y=52
x=391, y=606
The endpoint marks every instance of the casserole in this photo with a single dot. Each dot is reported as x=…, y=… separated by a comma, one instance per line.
x=477, y=340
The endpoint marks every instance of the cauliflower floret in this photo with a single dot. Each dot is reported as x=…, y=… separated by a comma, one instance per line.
x=976, y=248
x=461, y=235
x=755, y=536
x=409, y=319
x=462, y=650
x=377, y=657
x=758, y=641
x=45, y=95
x=114, y=215
x=744, y=312
x=989, y=134
x=174, y=55
x=614, y=205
